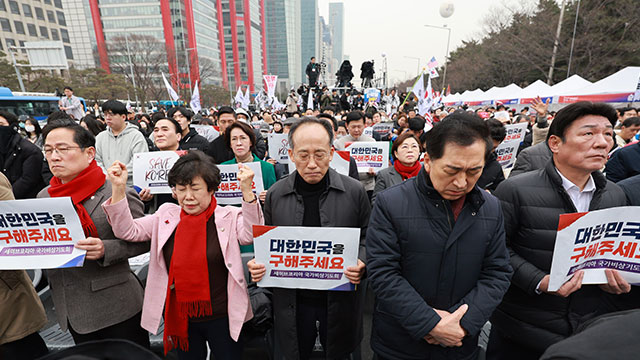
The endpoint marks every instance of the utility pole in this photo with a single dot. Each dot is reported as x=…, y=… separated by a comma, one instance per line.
x=133, y=78
x=555, y=44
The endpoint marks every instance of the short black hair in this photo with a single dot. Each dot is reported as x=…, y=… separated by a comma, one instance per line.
x=417, y=123
x=226, y=110
x=183, y=110
x=625, y=109
x=115, y=107
x=157, y=116
x=342, y=123
x=632, y=121
x=354, y=116
x=246, y=128
x=313, y=57
x=11, y=118
x=193, y=164
x=310, y=120
x=330, y=118
x=58, y=115
x=81, y=136
x=575, y=111
x=460, y=128
x=67, y=87
x=497, y=129
x=175, y=124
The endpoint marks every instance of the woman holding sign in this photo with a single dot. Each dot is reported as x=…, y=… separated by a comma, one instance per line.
x=195, y=271
x=406, y=152
x=241, y=139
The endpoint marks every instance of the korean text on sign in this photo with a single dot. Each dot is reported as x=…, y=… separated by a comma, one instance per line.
x=229, y=189
x=370, y=155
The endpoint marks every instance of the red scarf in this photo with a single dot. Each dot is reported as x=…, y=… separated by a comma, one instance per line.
x=188, y=293
x=407, y=172
x=80, y=189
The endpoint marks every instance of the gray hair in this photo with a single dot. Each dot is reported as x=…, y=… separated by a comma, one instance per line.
x=311, y=120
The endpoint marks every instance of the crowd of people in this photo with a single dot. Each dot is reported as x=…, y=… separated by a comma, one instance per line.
x=449, y=241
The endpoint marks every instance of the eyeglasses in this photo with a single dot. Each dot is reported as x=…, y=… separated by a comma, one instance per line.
x=318, y=156
x=60, y=150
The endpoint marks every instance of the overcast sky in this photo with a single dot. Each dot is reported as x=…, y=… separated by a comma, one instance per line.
x=396, y=28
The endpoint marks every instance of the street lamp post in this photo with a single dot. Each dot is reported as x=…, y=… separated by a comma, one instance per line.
x=573, y=38
x=446, y=60
x=133, y=78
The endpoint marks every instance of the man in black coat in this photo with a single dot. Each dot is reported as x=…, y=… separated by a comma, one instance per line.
x=312, y=71
x=191, y=140
x=530, y=317
x=20, y=160
x=624, y=163
x=316, y=195
x=492, y=174
x=436, y=256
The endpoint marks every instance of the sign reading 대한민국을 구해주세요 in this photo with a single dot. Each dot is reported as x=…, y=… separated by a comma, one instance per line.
x=39, y=234
x=306, y=257
x=595, y=241
x=229, y=191
x=370, y=155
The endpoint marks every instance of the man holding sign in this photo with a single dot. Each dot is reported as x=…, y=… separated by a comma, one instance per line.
x=316, y=196
x=531, y=318
x=102, y=299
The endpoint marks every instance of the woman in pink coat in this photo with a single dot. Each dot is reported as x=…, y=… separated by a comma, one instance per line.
x=195, y=269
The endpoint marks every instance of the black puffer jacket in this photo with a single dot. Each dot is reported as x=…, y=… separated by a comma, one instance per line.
x=194, y=141
x=532, y=158
x=22, y=165
x=532, y=203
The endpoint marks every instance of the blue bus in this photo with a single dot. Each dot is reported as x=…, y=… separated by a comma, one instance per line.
x=35, y=105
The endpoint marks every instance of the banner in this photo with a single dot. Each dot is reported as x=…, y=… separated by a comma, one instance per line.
x=594, y=241
x=172, y=93
x=151, y=170
x=279, y=147
x=306, y=257
x=383, y=128
x=229, y=189
x=39, y=234
x=370, y=155
x=270, y=81
x=208, y=131
x=339, y=163
x=372, y=95
x=195, y=99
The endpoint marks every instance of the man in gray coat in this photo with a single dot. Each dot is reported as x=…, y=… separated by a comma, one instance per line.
x=315, y=195
x=103, y=298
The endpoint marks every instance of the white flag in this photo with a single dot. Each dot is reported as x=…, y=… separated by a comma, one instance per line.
x=418, y=88
x=239, y=97
x=195, y=99
x=424, y=104
x=172, y=93
x=128, y=105
x=246, y=99
x=310, y=100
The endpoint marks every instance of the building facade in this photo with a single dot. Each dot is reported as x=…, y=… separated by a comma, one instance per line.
x=309, y=34
x=336, y=24
x=283, y=25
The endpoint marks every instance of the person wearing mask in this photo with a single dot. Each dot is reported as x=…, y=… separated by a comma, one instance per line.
x=20, y=160
x=530, y=317
x=70, y=104
x=240, y=139
x=120, y=141
x=190, y=140
x=492, y=174
x=103, y=298
x=436, y=281
x=196, y=281
x=405, y=152
x=34, y=132
x=21, y=314
x=316, y=195
x=355, y=126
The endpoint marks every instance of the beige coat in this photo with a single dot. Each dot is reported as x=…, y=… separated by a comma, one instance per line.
x=21, y=312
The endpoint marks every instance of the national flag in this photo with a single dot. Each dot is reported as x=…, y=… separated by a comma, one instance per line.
x=433, y=73
x=239, y=98
x=432, y=63
x=310, y=100
x=172, y=93
x=418, y=87
x=195, y=99
x=128, y=105
x=246, y=99
x=448, y=90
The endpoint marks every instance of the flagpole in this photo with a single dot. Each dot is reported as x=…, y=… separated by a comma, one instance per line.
x=414, y=84
x=168, y=92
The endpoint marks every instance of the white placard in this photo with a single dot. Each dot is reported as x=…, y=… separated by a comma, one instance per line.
x=208, y=131
x=339, y=163
x=306, y=257
x=507, y=152
x=151, y=170
x=279, y=147
x=515, y=132
x=594, y=241
x=40, y=234
x=229, y=189
x=370, y=155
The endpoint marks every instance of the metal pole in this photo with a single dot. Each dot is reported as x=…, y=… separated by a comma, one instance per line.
x=446, y=59
x=555, y=45
x=573, y=38
x=133, y=78
x=15, y=66
x=186, y=51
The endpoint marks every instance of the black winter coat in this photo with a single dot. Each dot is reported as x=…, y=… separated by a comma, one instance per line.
x=492, y=174
x=194, y=141
x=344, y=204
x=23, y=167
x=420, y=258
x=532, y=158
x=624, y=163
x=532, y=203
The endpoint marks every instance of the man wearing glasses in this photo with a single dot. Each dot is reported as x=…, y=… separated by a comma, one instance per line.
x=316, y=195
x=121, y=140
x=102, y=299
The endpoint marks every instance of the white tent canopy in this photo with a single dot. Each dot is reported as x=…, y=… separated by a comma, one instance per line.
x=623, y=81
x=535, y=89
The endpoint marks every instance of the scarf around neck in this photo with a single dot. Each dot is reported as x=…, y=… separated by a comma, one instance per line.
x=407, y=172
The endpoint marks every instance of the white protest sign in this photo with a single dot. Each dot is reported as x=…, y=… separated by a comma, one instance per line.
x=339, y=163
x=279, y=147
x=270, y=80
x=208, y=131
x=506, y=153
x=40, y=234
x=370, y=155
x=151, y=170
x=229, y=189
x=383, y=128
x=306, y=257
x=368, y=131
x=515, y=132
x=594, y=241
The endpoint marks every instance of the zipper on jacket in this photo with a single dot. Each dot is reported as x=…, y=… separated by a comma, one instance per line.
x=446, y=210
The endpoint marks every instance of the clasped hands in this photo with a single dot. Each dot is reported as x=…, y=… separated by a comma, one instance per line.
x=448, y=332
